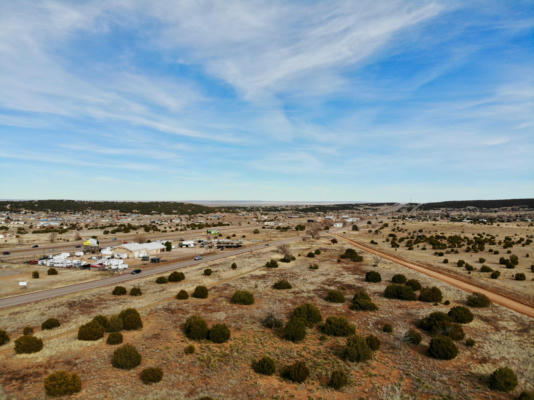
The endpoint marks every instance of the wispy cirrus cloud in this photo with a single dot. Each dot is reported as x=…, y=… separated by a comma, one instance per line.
x=266, y=93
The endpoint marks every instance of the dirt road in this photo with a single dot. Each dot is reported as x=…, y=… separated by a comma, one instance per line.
x=447, y=278
x=50, y=293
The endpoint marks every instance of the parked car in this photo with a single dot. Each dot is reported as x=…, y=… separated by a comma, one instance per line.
x=155, y=260
x=78, y=246
x=5, y=253
x=197, y=258
x=136, y=271
x=35, y=246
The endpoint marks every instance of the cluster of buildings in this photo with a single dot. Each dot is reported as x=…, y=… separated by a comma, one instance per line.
x=64, y=260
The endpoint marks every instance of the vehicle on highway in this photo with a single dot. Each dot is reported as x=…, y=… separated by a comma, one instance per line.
x=6, y=253
x=197, y=258
x=35, y=246
x=136, y=271
x=114, y=239
x=266, y=244
x=78, y=246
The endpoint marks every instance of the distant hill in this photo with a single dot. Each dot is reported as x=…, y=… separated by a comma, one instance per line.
x=529, y=203
x=141, y=207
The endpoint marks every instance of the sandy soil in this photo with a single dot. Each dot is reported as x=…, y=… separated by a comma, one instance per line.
x=506, y=280
x=222, y=371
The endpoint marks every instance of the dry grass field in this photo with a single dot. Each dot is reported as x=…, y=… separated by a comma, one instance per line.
x=398, y=370
x=505, y=282
x=11, y=274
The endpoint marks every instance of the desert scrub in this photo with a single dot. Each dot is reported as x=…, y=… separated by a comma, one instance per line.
x=176, y=276
x=102, y=320
x=460, y=314
x=51, y=271
x=356, y=349
x=208, y=271
x=387, y=328
x=242, y=297
x=352, y=255
x=50, y=323
x=271, y=322
x=151, y=375
x=400, y=292
x=362, y=302
x=119, y=291
x=335, y=296
x=295, y=330
x=338, y=379
x=126, y=357
x=219, y=333
x=503, y=380
x=161, y=280
x=308, y=313
x=4, y=337
x=190, y=349
x=478, y=300
x=372, y=276
x=469, y=342
x=62, y=383
x=182, y=295
x=442, y=348
x=282, y=284
x=90, y=331
x=114, y=338
x=398, y=278
x=196, y=328
x=264, y=366
x=28, y=330
x=200, y=292
x=271, y=264
x=233, y=266
x=135, y=291
x=28, y=344
x=35, y=274
x=526, y=396
x=373, y=342
x=430, y=295
x=413, y=337
x=131, y=320
x=115, y=324
x=297, y=372
x=337, y=326
x=414, y=284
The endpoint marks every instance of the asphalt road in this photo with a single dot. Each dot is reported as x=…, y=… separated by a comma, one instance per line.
x=29, y=252
x=126, y=277
x=447, y=278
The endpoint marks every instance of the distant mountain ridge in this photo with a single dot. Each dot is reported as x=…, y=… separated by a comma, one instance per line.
x=141, y=207
x=479, y=204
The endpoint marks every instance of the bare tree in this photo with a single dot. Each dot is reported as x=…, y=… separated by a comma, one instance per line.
x=284, y=250
x=53, y=236
x=77, y=236
x=314, y=232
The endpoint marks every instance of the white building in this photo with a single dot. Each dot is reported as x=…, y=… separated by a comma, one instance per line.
x=138, y=250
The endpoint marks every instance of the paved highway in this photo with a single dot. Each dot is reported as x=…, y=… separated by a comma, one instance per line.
x=79, y=287
x=26, y=253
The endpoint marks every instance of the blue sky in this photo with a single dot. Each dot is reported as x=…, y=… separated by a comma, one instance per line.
x=267, y=100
